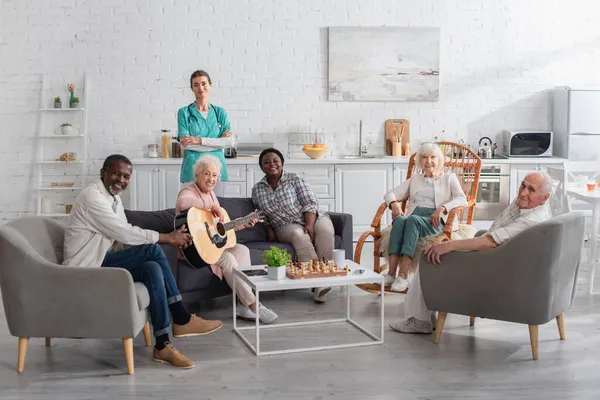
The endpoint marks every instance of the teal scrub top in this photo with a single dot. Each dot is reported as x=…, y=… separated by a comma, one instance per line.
x=191, y=123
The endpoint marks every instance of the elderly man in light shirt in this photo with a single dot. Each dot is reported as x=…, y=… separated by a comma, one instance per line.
x=96, y=221
x=528, y=209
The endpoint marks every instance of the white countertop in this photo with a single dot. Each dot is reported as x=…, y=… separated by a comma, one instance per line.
x=335, y=160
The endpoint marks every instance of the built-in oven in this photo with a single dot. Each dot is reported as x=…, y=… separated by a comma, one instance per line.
x=493, y=192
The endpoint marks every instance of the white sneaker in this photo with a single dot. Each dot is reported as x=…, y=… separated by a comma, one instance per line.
x=412, y=325
x=244, y=312
x=387, y=278
x=321, y=294
x=266, y=316
x=433, y=320
x=401, y=284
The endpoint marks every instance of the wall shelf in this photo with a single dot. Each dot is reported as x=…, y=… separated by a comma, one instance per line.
x=60, y=162
x=51, y=188
x=51, y=142
x=60, y=136
x=62, y=109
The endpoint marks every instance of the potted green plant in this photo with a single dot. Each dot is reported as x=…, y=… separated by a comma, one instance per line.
x=75, y=102
x=276, y=260
x=57, y=102
x=66, y=128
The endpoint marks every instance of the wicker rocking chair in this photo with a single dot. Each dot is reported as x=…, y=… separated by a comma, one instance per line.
x=467, y=166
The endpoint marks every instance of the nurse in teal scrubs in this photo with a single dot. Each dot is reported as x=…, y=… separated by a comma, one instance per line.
x=203, y=128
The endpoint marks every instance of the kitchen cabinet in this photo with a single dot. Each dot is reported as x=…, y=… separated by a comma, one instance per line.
x=145, y=188
x=359, y=190
x=400, y=171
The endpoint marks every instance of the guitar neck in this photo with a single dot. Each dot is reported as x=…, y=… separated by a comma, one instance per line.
x=239, y=221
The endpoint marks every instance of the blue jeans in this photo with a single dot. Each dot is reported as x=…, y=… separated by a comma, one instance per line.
x=148, y=264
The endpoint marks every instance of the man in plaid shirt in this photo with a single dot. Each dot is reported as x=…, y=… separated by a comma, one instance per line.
x=292, y=212
x=528, y=209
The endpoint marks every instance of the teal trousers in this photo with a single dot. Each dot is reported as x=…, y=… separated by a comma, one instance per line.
x=406, y=231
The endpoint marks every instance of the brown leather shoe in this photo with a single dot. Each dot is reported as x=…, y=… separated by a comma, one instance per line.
x=196, y=326
x=170, y=355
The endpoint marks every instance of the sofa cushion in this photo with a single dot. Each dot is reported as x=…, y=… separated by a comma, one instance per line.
x=190, y=279
x=240, y=207
x=142, y=295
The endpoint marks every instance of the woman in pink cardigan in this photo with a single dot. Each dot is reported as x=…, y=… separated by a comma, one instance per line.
x=200, y=194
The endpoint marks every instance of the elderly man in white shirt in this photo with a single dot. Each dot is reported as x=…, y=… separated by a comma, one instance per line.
x=96, y=221
x=528, y=209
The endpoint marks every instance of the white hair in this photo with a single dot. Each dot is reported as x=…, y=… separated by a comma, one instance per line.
x=546, y=186
x=205, y=161
x=430, y=148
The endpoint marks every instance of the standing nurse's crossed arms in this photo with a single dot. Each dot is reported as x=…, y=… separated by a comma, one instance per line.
x=203, y=128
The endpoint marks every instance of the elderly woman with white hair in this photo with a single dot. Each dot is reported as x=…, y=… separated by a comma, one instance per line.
x=200, y=194
x=431, y=195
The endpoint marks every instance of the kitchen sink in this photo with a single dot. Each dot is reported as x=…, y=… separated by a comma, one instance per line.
x=354, y=157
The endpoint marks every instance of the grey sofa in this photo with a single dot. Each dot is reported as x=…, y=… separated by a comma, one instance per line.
x=45, y=299
x=531, y=279
x=200, y=284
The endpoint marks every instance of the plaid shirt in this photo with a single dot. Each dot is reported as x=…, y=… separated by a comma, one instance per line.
x=514, y=220
x=287, y=203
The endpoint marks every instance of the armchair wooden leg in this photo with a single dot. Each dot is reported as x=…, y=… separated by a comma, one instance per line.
x=147, y=336
x=48, y=341
x=23, y=342
x=440, y=325
x=560, y=320
x=128, y=347
x=533, y=338
x=471, y=321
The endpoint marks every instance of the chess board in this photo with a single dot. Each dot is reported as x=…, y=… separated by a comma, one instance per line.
x=315, y=269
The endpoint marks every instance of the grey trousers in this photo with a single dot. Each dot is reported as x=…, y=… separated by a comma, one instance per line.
x=306, y=251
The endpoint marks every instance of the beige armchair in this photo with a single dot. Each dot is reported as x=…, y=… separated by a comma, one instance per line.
x=531, y=279
x=45, y=299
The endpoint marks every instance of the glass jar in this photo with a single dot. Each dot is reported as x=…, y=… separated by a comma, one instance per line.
x=153, y=150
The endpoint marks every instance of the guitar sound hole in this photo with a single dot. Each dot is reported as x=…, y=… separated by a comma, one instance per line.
x=220, y=228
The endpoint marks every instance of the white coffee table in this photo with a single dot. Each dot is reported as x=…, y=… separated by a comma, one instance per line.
x=264, y=284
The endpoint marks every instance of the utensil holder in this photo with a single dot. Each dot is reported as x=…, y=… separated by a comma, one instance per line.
x=396, y=149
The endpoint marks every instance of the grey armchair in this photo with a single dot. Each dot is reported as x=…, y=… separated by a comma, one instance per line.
x=531, y=279
x=45, y=299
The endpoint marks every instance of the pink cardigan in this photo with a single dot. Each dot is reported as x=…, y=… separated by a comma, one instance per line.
x=192, y=196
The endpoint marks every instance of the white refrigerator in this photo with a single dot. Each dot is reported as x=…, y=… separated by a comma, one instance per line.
x=576, y=124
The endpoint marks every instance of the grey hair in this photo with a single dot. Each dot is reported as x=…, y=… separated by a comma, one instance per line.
x=546, y=187
x=429, y=148
x=205, y=161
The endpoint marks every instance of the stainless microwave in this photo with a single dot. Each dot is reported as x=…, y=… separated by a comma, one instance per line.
x=528, y=144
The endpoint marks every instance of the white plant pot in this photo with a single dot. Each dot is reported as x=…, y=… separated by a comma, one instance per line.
x=66, y=130
x=276, y=273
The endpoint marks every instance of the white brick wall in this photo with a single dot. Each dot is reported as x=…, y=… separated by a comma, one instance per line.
x=269, y=67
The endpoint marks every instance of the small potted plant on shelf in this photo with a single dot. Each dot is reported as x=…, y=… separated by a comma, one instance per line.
x=66, y=128
x=276, y=260
x=75, y=102
x=57, y=102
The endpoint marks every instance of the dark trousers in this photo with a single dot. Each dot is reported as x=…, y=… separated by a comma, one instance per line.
x=148, y=264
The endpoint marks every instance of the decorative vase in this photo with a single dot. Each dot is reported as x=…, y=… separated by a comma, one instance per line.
x=57, y=104
x=276, y=273
x=71, y=100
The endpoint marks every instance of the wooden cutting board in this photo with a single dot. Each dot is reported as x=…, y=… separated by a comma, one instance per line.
x=393, y=129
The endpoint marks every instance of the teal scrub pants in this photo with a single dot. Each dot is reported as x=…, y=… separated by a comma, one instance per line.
x=406, y=231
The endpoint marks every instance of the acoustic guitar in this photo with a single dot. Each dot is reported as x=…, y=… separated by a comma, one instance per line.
x=211, y=237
